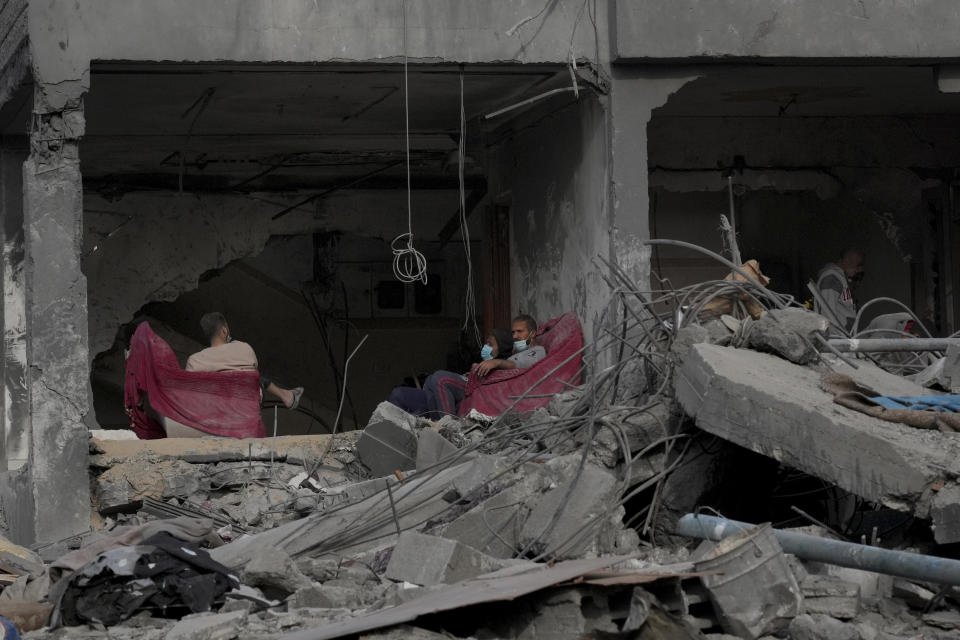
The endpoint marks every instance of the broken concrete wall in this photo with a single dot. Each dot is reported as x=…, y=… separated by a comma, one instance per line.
x=557, y=174
x=852, y=29
x=56, y=314
x=634, y=96
x=149, y=247
x=153, y=247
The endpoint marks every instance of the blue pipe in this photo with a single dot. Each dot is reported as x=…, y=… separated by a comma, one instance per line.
x=914, y=566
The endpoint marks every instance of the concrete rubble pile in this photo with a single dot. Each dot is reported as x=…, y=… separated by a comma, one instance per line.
x=596, y=516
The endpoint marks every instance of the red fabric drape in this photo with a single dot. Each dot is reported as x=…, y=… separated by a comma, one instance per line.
x=562, y=338
x=221, y=404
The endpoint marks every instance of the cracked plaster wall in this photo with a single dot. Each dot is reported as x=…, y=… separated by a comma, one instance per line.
x=557, y=176
x=149, y=247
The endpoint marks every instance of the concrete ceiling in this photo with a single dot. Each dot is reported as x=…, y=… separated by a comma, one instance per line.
x=258, y=127
x=812, y=91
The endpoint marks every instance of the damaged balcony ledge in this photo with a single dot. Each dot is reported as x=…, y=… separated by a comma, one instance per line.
x=776, y=408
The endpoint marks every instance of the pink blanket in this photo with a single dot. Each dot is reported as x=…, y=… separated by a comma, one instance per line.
x=221, y=404
x=563, y=340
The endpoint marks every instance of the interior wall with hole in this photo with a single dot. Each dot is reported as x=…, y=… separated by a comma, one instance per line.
x=274, y=195
x=819, y=160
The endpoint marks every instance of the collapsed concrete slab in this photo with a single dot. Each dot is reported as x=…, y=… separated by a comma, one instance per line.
x=776, y=408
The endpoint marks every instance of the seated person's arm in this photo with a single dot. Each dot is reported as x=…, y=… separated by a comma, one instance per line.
x=487, y=366
x=521, y=360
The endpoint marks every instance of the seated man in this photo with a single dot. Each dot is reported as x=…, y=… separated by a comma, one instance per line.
x=227, y=354
x=526, y=352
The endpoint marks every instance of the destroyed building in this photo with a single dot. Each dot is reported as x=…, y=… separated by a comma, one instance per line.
x=163, y=159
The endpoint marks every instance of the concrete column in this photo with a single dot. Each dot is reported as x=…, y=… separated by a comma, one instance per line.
x=634, y=96
x=16, y=409
x=56, y=313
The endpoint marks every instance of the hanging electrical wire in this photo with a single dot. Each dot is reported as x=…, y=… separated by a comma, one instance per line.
x=470, y=304
x=409, y=265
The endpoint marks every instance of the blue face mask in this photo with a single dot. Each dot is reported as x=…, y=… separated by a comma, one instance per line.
x=519, y=345
x=487, y=352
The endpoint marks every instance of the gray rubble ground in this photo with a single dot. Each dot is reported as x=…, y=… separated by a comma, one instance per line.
x=465, y=513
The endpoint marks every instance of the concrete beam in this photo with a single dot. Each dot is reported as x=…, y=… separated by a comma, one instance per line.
x=65, y=35
x=775, y=408
x=648, y=30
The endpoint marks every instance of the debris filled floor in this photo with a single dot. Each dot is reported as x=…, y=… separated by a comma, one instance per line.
x=586, y=518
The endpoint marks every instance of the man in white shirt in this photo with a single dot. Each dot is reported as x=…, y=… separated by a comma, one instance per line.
x=836, y=293
x=227, y=354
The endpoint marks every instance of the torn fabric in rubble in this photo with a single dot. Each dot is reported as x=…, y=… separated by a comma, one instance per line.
x=168, y=576
x=848, y=393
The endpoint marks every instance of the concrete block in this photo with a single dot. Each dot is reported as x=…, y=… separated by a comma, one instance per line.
x=311, y=597
x=949, y=620
x=388, y=446
x=432, y=448
x=273, y=571
x=581, y=500
x=945, y=515
x=916, y=596
x=562, y=403
x=821, y=627
x=872, y=584
x=493, y=526
x=389, y=412
x=482, y=470
x=831, y=596
x=430, y=560
x=789, y=333
x=220, y=626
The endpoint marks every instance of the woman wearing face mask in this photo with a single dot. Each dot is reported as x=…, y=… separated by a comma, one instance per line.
x=443, y=390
